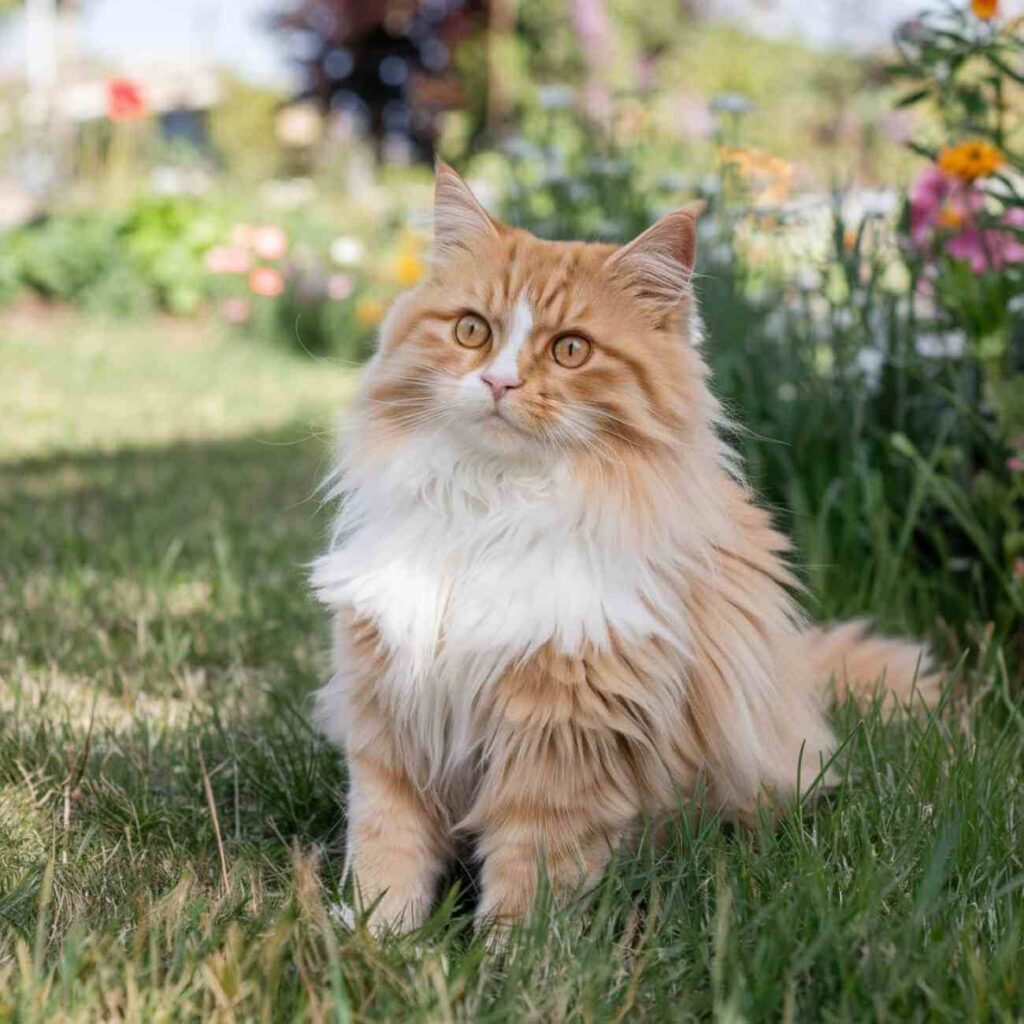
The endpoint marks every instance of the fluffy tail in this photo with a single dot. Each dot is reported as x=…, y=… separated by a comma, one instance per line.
x=862, y=664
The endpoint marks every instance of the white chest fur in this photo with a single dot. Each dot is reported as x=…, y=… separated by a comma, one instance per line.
x=465, y=567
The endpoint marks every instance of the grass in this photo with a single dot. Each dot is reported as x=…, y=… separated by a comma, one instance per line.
x=170, y=827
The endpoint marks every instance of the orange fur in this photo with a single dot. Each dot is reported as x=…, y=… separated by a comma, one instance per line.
x=558, y=609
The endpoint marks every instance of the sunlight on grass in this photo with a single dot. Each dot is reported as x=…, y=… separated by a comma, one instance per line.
x=76, y=384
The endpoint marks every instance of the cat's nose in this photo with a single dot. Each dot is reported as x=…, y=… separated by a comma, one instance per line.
x=499, y=383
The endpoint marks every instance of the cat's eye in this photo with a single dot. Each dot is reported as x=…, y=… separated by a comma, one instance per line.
x=570, y=351
x=472, y=331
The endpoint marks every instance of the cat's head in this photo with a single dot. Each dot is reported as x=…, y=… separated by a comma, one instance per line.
x=516, y=346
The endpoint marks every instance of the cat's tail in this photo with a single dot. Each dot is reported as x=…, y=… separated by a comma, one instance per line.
x=856, y=661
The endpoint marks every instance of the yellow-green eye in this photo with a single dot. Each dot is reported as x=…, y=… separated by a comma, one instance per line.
x=570, y=351
x=472, y=331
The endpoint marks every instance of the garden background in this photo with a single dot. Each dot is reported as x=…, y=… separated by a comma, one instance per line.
x=197, y=243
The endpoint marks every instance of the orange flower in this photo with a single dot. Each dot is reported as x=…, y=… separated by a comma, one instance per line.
x=950, y=217
x=972, y=159
x=369, y=311
x=985, y=9
x=771, y=175
x=266, y=281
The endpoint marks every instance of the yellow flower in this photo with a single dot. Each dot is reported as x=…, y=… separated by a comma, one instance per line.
x=408, y=268
x=975, y=158
x=369, y=311
x=985, y=9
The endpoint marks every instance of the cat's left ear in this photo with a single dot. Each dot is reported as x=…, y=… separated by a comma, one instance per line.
x=658, y=264
x=459, y=219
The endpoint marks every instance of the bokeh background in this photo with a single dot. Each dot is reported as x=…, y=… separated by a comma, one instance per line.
x=205, y=208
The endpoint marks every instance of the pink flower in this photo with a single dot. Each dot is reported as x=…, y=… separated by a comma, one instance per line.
x=1018, y=568
x=266, y=281
x=1015, y=464
x=339, y=287
x=269, y=242
x=227, y=259
x=236, y=311
x=945, y=210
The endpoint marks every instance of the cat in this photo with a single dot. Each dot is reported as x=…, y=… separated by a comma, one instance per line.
x=557, y=606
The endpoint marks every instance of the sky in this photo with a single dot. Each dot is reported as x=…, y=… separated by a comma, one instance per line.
x=233, y=33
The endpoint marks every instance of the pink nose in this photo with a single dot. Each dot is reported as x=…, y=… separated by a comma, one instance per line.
x=499, y=384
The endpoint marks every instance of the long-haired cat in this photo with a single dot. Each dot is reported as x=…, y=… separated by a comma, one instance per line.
x=556, y=603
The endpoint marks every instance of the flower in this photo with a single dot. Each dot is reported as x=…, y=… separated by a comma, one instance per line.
x=1015, y=464
x=228, y=259
x=266, y=281
x=944, y=210
x=950, y=345
x=124, y=100
x=771, y=174
x=1018, y=568
x=950, y=217
x=555, y=97
x=236, y=311
x=346, y=251
x=408, y=266
x=972, y=159
x=989, y=248
x=269, y=242
x=339, y=287
x=985, y=9
x=369, y=311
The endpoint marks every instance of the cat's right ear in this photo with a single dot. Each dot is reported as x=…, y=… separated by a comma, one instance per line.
x=658, y=264
x=459, y=219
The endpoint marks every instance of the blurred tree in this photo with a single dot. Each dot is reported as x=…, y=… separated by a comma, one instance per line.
x=389, y=64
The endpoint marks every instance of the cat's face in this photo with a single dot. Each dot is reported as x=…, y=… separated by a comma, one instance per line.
x=514, y=345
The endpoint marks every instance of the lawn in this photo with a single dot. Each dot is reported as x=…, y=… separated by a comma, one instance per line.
x=170, y=827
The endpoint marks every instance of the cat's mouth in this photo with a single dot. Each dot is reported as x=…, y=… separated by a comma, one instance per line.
x=496, y=417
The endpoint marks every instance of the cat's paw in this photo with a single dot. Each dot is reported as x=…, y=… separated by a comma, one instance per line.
x=343, y=913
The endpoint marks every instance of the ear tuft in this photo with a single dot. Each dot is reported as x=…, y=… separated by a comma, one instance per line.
x=459, y=219
x=658, y=264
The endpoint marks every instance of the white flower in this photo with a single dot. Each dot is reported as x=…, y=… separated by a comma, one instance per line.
x=870, y=362
x=948, y=345
x=786, y=392
x=843, y=318
x=706, y=229
x=555, y=97
x=673, y=182
x=721, y=253
x=757, y=295
x=807, y=279
x=520, y=148
x=895, y=278
x=346, y=251
x=775, y=324
x=1016, y=304
x=731, y=103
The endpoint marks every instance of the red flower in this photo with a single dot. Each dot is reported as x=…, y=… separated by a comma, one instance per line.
x=124, y=100
x=266, y=281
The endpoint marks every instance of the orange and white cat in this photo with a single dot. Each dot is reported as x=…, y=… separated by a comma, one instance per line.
x=556, y=602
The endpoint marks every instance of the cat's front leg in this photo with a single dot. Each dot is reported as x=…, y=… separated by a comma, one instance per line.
x=555, y=800
x=397, y=848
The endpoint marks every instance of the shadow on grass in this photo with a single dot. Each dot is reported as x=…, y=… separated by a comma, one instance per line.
x=161, y=593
